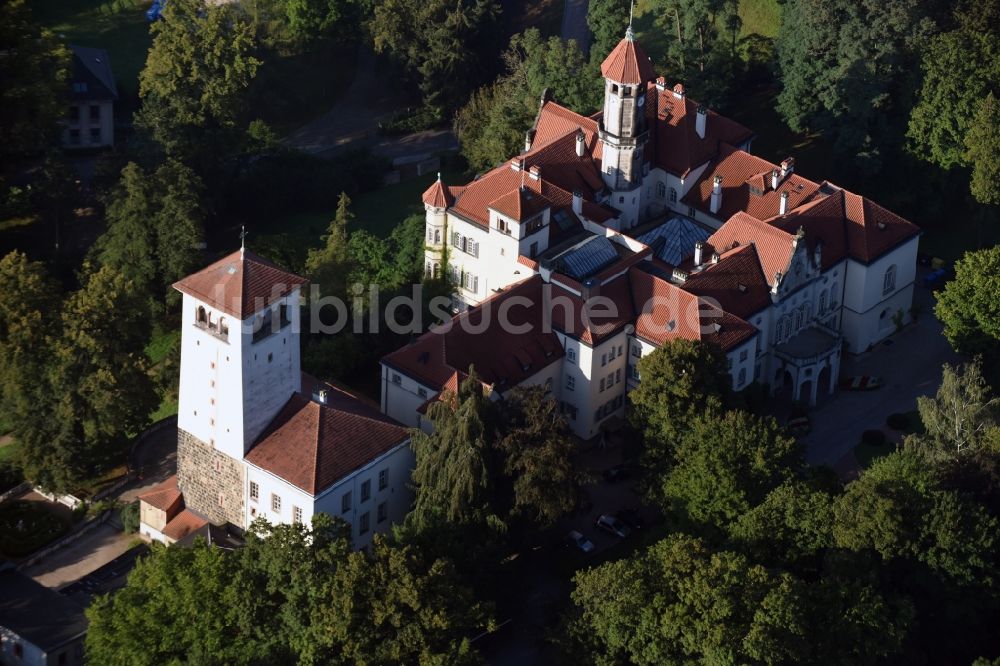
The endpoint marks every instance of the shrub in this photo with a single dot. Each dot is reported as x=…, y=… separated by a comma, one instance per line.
x=873, y=437
x=130, y=518
x=898, y=421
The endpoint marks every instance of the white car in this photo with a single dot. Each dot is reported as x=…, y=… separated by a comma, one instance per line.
x=612, y=525
x=580, y=542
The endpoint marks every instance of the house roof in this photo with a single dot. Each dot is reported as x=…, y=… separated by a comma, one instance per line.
x=92, y=70
x=183, y=524
x=679, y=149
x=774, y=245
x=166, y=496
x=873, y=230
x=240, y=284
x=313, y=446
x=736, y=282
x=520, y=204
x=741, y=172
x=438, y=194
x=555, y=122
x=37, y=614
x=628, y=62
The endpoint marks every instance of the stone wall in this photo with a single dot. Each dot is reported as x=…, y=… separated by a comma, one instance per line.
x=204, y=474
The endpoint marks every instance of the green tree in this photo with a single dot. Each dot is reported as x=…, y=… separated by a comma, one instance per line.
x=843, y=64
x=701, y=44
x=491, y=126
x=959, y=68
x=960, y=417
x=128, y=245
x=443, y=45
x=197, y=69
x=680, y=380
x=538, y=451
x=983, y=146
x=456, y=467
x=726, y=465
x=35, y=74
x=969, y=307
x=329, y=266
x=607, y=20
x=98, y=389
x=313, y=20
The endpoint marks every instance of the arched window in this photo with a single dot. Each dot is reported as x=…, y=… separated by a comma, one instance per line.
x=798, y=319
x=223, y=326
x=437, y=270
x=201, y=316
x=673, y=195
x=661, y=190
x=889, y=281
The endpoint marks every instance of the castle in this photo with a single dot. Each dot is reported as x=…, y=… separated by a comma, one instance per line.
x=655, y=203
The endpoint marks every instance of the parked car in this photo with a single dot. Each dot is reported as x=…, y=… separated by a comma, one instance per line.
x=616, y=474
x=860, y=383
x=936, y=278
x=580, y=542
x=612, y=525
x=631, y=517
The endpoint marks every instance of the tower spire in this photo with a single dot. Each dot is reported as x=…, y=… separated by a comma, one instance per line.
x=243, y=239
x=629, y=35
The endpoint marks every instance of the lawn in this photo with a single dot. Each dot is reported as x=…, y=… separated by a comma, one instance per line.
x=161, y=342
x=760, y=17
x=27, y=526
x=119, y=26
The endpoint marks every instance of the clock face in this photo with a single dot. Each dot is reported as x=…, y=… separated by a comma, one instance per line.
x=642, y=100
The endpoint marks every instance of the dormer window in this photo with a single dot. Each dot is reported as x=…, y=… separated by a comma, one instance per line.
x=502, y=226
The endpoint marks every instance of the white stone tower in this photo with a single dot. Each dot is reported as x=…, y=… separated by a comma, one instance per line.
x=626, y=71
x=436, y=202
x=240, y=363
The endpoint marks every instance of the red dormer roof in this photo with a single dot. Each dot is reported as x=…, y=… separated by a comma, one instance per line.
x=520, y=204
x=736, y=283
x=240, y=284
x=628, y=63
x=774, y=245
x=873, y=230
x=312, y=446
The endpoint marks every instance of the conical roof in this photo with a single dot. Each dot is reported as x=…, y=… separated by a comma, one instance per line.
x=628, y=63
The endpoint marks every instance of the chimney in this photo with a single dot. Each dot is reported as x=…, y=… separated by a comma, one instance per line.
x=577, y=202
x=775, y=179
x=535, y=172
x=515, y=164
x=581, y=139
x=783, y=206
x=787, y=167
x=699, y=247
x=716, y=203
x=661, y=84
x=529, y=138
x=679, y=91
x=320, y=396
x=701, y=119
x=715, y=257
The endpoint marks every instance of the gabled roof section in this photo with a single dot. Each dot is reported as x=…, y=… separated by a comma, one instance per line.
x=822, y=220
x=679, y=149
x=40, y=615
x=741, y=174
x=166, y=497
x=313, y=446
x=183, y=524
x=774, y=245
x=92, y=69
x=520, y=204
x=556, y=121
x=736, y=282
x=240, y=284
x=628, y=62
x=873, y=230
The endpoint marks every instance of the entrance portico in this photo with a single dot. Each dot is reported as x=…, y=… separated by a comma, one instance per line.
x=809, y=359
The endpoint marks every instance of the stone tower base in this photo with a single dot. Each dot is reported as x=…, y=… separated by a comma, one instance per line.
x=212, y=482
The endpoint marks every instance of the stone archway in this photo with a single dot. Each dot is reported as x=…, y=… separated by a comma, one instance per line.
x=824, y=389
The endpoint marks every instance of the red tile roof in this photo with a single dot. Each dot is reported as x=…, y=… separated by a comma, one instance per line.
x=312, y=446
x=628, y=63
x=736, y=282
x=774, y=246
x=240, y=284
x=182, y=524
x=437, y=195
x=601, y=322
x=679, y=149
x=166, y=497
x=740, y=171
x=520, y=204
x=501, y=357
x=873, y=230
x=822, y=220
x=555, y=122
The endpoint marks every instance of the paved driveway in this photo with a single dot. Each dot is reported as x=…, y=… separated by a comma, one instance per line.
x=910, y=367
x=88, y=553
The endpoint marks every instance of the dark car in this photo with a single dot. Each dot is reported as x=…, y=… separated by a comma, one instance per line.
x=612, y=525
x=631, y=517
x=616, y=474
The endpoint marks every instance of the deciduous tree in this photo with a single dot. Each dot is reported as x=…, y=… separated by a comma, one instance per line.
x=983, y=150
x=969, y=306
x=960, y=418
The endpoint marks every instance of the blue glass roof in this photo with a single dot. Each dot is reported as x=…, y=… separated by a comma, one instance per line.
x=588, y=258
x=678, y=236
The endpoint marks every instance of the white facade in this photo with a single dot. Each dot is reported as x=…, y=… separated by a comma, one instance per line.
x=235, y=377
x=383, y=479
x=877, y=292
x=89, y=124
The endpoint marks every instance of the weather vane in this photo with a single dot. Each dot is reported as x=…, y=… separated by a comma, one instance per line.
x=243, y=238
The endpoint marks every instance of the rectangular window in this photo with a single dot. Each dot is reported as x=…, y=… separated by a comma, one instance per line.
x=604, y=360
x=74, y=136
x=618, y=376
x=275, y=503
x=570, y=383
x=611, y=379
x=743, y=355
x=254, y=491
x=95, y=134
x=363, y=525
x=222, y=499
x=422, y=392
x=345, y=502
x=296, y=514
x=383, y=512
x=602, y=383
x=383, y=479
x=366, y=490
x=621, y=348
x=396, y=379
x=95, y=113
x=74, y=114
x=637, y=351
